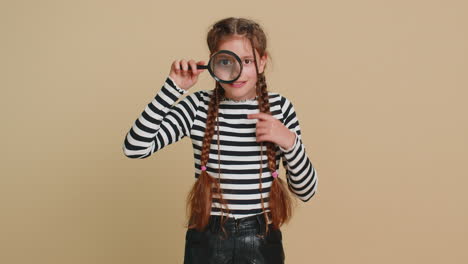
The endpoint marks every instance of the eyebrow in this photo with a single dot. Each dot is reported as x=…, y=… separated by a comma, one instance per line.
x=247, y=57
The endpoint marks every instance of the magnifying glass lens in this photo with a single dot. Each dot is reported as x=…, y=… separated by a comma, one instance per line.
x=225, y=67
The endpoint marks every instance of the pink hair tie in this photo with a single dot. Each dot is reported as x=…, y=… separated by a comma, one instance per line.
x=203, y=168
x=275, y=174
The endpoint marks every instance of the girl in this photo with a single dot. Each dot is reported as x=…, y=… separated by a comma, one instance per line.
x=238, y=201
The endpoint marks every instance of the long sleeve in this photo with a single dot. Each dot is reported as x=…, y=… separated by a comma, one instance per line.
x=161, y=123
x=301, y=174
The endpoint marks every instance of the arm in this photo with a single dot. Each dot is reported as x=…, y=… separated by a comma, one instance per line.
x=301, y=174
x=161, y=123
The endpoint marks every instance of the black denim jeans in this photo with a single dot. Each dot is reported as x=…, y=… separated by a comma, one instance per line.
x=245, y=243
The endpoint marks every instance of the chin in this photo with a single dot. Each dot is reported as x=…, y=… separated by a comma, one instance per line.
x=237, y=93
x=241, y=92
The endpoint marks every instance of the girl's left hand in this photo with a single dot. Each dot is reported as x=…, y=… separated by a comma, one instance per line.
x=271, y=129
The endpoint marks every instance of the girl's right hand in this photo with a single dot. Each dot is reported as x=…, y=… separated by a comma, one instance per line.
x=184, y=77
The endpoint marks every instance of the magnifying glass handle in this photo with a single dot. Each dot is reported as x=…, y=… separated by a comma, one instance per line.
x=201, y=67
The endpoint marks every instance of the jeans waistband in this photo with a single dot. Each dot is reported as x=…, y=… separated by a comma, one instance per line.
x=232, y=223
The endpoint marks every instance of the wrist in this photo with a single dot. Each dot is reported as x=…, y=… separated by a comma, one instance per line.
x=176, y=86
x=290, y=142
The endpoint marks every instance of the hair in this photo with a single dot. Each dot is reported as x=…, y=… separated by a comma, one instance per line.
x=200, y=197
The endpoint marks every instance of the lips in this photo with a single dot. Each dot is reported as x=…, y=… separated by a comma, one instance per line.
x=237, y=84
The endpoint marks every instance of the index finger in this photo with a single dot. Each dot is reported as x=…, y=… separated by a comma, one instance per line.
x=262, y=116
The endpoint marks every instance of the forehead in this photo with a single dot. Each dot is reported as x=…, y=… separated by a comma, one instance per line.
x=237, y=44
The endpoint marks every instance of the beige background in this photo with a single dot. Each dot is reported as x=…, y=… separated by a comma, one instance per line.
x=380, y=89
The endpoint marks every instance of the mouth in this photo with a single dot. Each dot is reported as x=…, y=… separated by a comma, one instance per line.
x=238, y=84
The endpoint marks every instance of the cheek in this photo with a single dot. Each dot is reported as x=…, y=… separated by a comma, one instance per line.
x=251, y=72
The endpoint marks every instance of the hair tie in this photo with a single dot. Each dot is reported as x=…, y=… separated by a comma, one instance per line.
x=203, y=168
x=275, y=174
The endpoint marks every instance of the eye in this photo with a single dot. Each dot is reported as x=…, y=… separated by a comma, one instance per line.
x=247, y=61
x=225, y=62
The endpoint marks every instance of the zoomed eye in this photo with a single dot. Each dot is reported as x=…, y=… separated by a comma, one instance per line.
x=225, y=62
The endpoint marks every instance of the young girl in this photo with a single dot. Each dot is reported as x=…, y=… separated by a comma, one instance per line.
x=239, y=132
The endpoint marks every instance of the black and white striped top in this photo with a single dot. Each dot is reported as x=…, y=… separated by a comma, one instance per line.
x=164, y=122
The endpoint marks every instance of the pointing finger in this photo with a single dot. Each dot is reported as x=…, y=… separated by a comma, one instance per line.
x=262, y=116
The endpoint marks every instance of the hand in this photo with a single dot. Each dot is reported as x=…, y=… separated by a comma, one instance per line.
x=271, y=129
x=182, y=75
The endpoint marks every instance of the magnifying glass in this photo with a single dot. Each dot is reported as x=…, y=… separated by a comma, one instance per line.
x=224, y=66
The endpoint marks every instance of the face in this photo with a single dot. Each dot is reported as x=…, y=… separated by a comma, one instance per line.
x=244, y=87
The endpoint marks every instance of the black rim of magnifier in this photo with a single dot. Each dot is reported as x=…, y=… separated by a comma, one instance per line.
x=212, y=73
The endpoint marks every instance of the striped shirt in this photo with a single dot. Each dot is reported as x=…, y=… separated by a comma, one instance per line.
x=164, y=122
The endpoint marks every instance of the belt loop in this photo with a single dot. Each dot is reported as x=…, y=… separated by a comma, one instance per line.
x=261, y=224
x=218, y=224
x=213, y=223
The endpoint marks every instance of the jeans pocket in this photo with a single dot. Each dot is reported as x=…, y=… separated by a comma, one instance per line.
x=274, y=236
x=272, y=247
x=195, y=238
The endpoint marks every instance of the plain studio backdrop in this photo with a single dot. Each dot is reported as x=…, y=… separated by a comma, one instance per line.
x=380, y=90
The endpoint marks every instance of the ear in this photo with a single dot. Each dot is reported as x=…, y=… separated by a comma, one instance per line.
x=263, y=61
